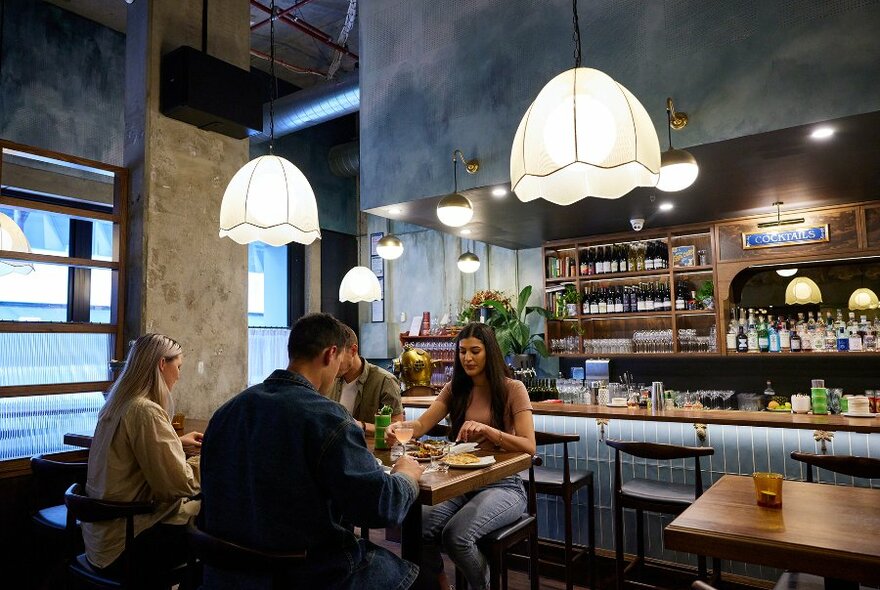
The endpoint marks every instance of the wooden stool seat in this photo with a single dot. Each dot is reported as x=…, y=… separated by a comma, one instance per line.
x=53, y=517
x=550, y=481
x=659, y=492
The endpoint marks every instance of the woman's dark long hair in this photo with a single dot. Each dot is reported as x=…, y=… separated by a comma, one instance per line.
x=462, y=384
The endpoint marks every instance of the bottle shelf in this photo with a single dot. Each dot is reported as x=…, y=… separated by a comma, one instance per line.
x=695, y=312
x=581, y=355
x=679, y=270
x=627, y=316
x=611, y=276
x=822, y=354
x=562, y=279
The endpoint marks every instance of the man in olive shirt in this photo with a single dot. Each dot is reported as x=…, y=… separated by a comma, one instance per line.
x=363, y=388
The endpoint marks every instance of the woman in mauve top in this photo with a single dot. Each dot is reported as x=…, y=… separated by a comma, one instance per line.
x=484, y=405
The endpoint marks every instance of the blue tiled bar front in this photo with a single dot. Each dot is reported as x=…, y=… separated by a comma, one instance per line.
x=739, y=449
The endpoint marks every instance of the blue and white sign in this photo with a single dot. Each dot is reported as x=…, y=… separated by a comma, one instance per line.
x=785, y=237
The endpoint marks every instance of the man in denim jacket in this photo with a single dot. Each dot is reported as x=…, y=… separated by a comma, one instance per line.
x=282, y=465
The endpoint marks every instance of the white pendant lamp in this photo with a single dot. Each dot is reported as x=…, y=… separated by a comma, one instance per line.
x=862, y=299
x=468, y=263
x=13, y=239
x=389, y=247
x=269, y=199
x=585, y=135
x=678, y=168
x=360, y=284
x=455, y=210
x=801, y=291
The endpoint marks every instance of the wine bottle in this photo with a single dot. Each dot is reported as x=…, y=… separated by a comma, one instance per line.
x=618, y=300
x=624, y=260
x=615, y=261
x=742, y=341
x=649, y=256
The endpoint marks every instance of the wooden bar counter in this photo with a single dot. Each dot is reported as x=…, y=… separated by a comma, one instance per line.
x=729, y=417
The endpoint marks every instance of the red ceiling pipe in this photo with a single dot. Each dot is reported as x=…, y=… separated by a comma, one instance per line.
x=281, y=13
x=289, y=66
x=308, y=30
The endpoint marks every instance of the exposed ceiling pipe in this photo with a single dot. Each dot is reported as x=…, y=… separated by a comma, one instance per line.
x=345, y=159
x=281, y=13
x=288, y=66
x=313, y=105
x=308, y=29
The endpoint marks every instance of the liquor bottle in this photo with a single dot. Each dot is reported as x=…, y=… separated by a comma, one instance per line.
x=855, y=336
x=773, y=337
x=752, y=335
x=618, y=300
x=583, y=265
x=591, y=262
x=795, y=341
x=692, y=302
x=640, y=257
x=870, y=336
x=606, y=261
x=800, y=323
x=842, y=337
x=585, y=307
x=819, y=334
x=649, y=298
x=763, y=336
x=603, y=302
x=615, y=261
x=742, y=341
x=667, y=302
x=679, y=298
x=830, y=335
x=632, y=256
x=658, y=255
x=649, y=256
x=806, y=338
x=594, y=303
x=784, y=336
x=731, y=335
x=624, y=258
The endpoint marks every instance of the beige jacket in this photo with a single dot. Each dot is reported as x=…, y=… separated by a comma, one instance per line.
x=137, y=457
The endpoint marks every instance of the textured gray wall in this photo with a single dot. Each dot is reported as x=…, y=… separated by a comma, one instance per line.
x=452, y=74
x=61, y=82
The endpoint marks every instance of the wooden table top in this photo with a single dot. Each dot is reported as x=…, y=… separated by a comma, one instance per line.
x=439, y=487
x=83, y=440
x=821, y=529
x=730, y=417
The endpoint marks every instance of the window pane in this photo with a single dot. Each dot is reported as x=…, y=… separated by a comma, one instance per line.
x=267, y=285
x=102, y=240
x=47, y=233
x=267, y=351
x=26, y=174
x=37, y=424
x=41, y=359
x=40, y=296
x=101, y=291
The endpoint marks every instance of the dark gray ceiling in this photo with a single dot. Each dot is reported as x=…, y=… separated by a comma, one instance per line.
x=293, y=46
x=738, y=177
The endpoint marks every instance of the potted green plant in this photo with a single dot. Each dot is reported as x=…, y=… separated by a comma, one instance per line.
x=514, y=335
x=572, y=299
x=706, y=295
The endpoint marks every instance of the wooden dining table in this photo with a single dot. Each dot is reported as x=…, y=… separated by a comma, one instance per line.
x=827, y=530
x=437, y=487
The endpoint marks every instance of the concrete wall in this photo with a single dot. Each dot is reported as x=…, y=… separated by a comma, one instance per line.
x=61, y=81
x=436, y=76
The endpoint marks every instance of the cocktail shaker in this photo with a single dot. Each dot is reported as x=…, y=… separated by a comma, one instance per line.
x=657, y=396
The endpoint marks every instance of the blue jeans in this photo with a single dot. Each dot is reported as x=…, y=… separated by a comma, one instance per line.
x=458, y=523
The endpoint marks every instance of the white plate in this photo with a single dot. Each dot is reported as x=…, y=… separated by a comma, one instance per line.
x=483, y=462
x=616, y=405
x=852, y=415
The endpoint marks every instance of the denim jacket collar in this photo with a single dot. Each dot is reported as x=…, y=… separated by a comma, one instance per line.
x=291, y=377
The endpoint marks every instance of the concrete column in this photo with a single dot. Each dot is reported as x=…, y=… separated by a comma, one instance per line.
x=183, y=280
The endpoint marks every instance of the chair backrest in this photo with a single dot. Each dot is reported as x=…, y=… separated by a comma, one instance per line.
x=701, y=585
x=864, y=467
x=51, y=477
x=660, y=452
x=226, y=555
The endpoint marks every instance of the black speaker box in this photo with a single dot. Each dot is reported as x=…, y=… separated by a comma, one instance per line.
x=210, y=93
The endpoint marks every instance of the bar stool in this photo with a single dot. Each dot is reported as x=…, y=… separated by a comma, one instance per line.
x=653, y=496
x=864, y=467
x=565, y=483
x=232, y=557
x=81, y=507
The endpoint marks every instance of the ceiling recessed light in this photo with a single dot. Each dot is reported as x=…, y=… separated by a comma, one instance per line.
x=499, y=191
x=666, y=206
x=395, y=210
x=822, y=133
x=465, y=232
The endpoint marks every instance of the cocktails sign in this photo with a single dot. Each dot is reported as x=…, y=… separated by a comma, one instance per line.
x=785, y=237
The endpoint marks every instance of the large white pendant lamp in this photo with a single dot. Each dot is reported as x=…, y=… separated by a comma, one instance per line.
x=801, y=291
x=862, y=299
x=12, y=239
x=269, y=199
x=389, y=247
x=585, y=135
x=455, y=210
x=678, y=168
x=360, y=284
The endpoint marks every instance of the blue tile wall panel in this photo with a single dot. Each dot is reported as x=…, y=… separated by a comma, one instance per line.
x=739, y=450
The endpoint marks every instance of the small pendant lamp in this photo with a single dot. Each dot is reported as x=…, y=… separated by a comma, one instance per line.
x=585, y=135
x=389, y=247
x=269, y=199
x=678, y=168
x=862, y=299
x=360, y=284
x=468, y=263
x=455, y=210
x=801, y=291
x=13, y=239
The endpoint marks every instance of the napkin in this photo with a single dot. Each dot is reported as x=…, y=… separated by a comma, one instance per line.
x=463, y=448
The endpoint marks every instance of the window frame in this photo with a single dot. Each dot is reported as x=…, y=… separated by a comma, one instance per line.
x=78, y=292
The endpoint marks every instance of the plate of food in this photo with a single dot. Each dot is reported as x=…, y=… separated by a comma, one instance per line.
x=426, y=452
x=468, y=461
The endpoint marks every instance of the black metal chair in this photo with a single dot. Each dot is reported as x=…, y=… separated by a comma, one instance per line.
x=653, y=496
x=85, y=509
x=565, y=483
x=51, y=477
x=225, y=555
x=864, y=467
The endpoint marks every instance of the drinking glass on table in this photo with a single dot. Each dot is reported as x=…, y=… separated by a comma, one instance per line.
x=436, y=463
x=402, y=434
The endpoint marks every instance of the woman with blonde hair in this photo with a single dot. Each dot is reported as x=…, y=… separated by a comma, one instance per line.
x=137, y=456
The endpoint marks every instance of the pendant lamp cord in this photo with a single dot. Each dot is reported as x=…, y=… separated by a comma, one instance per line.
x=454, y=173
x=273, y=88
x=669, y=124
x=576, y=36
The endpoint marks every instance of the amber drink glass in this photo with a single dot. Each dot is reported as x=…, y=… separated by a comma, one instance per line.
x=768, y=489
